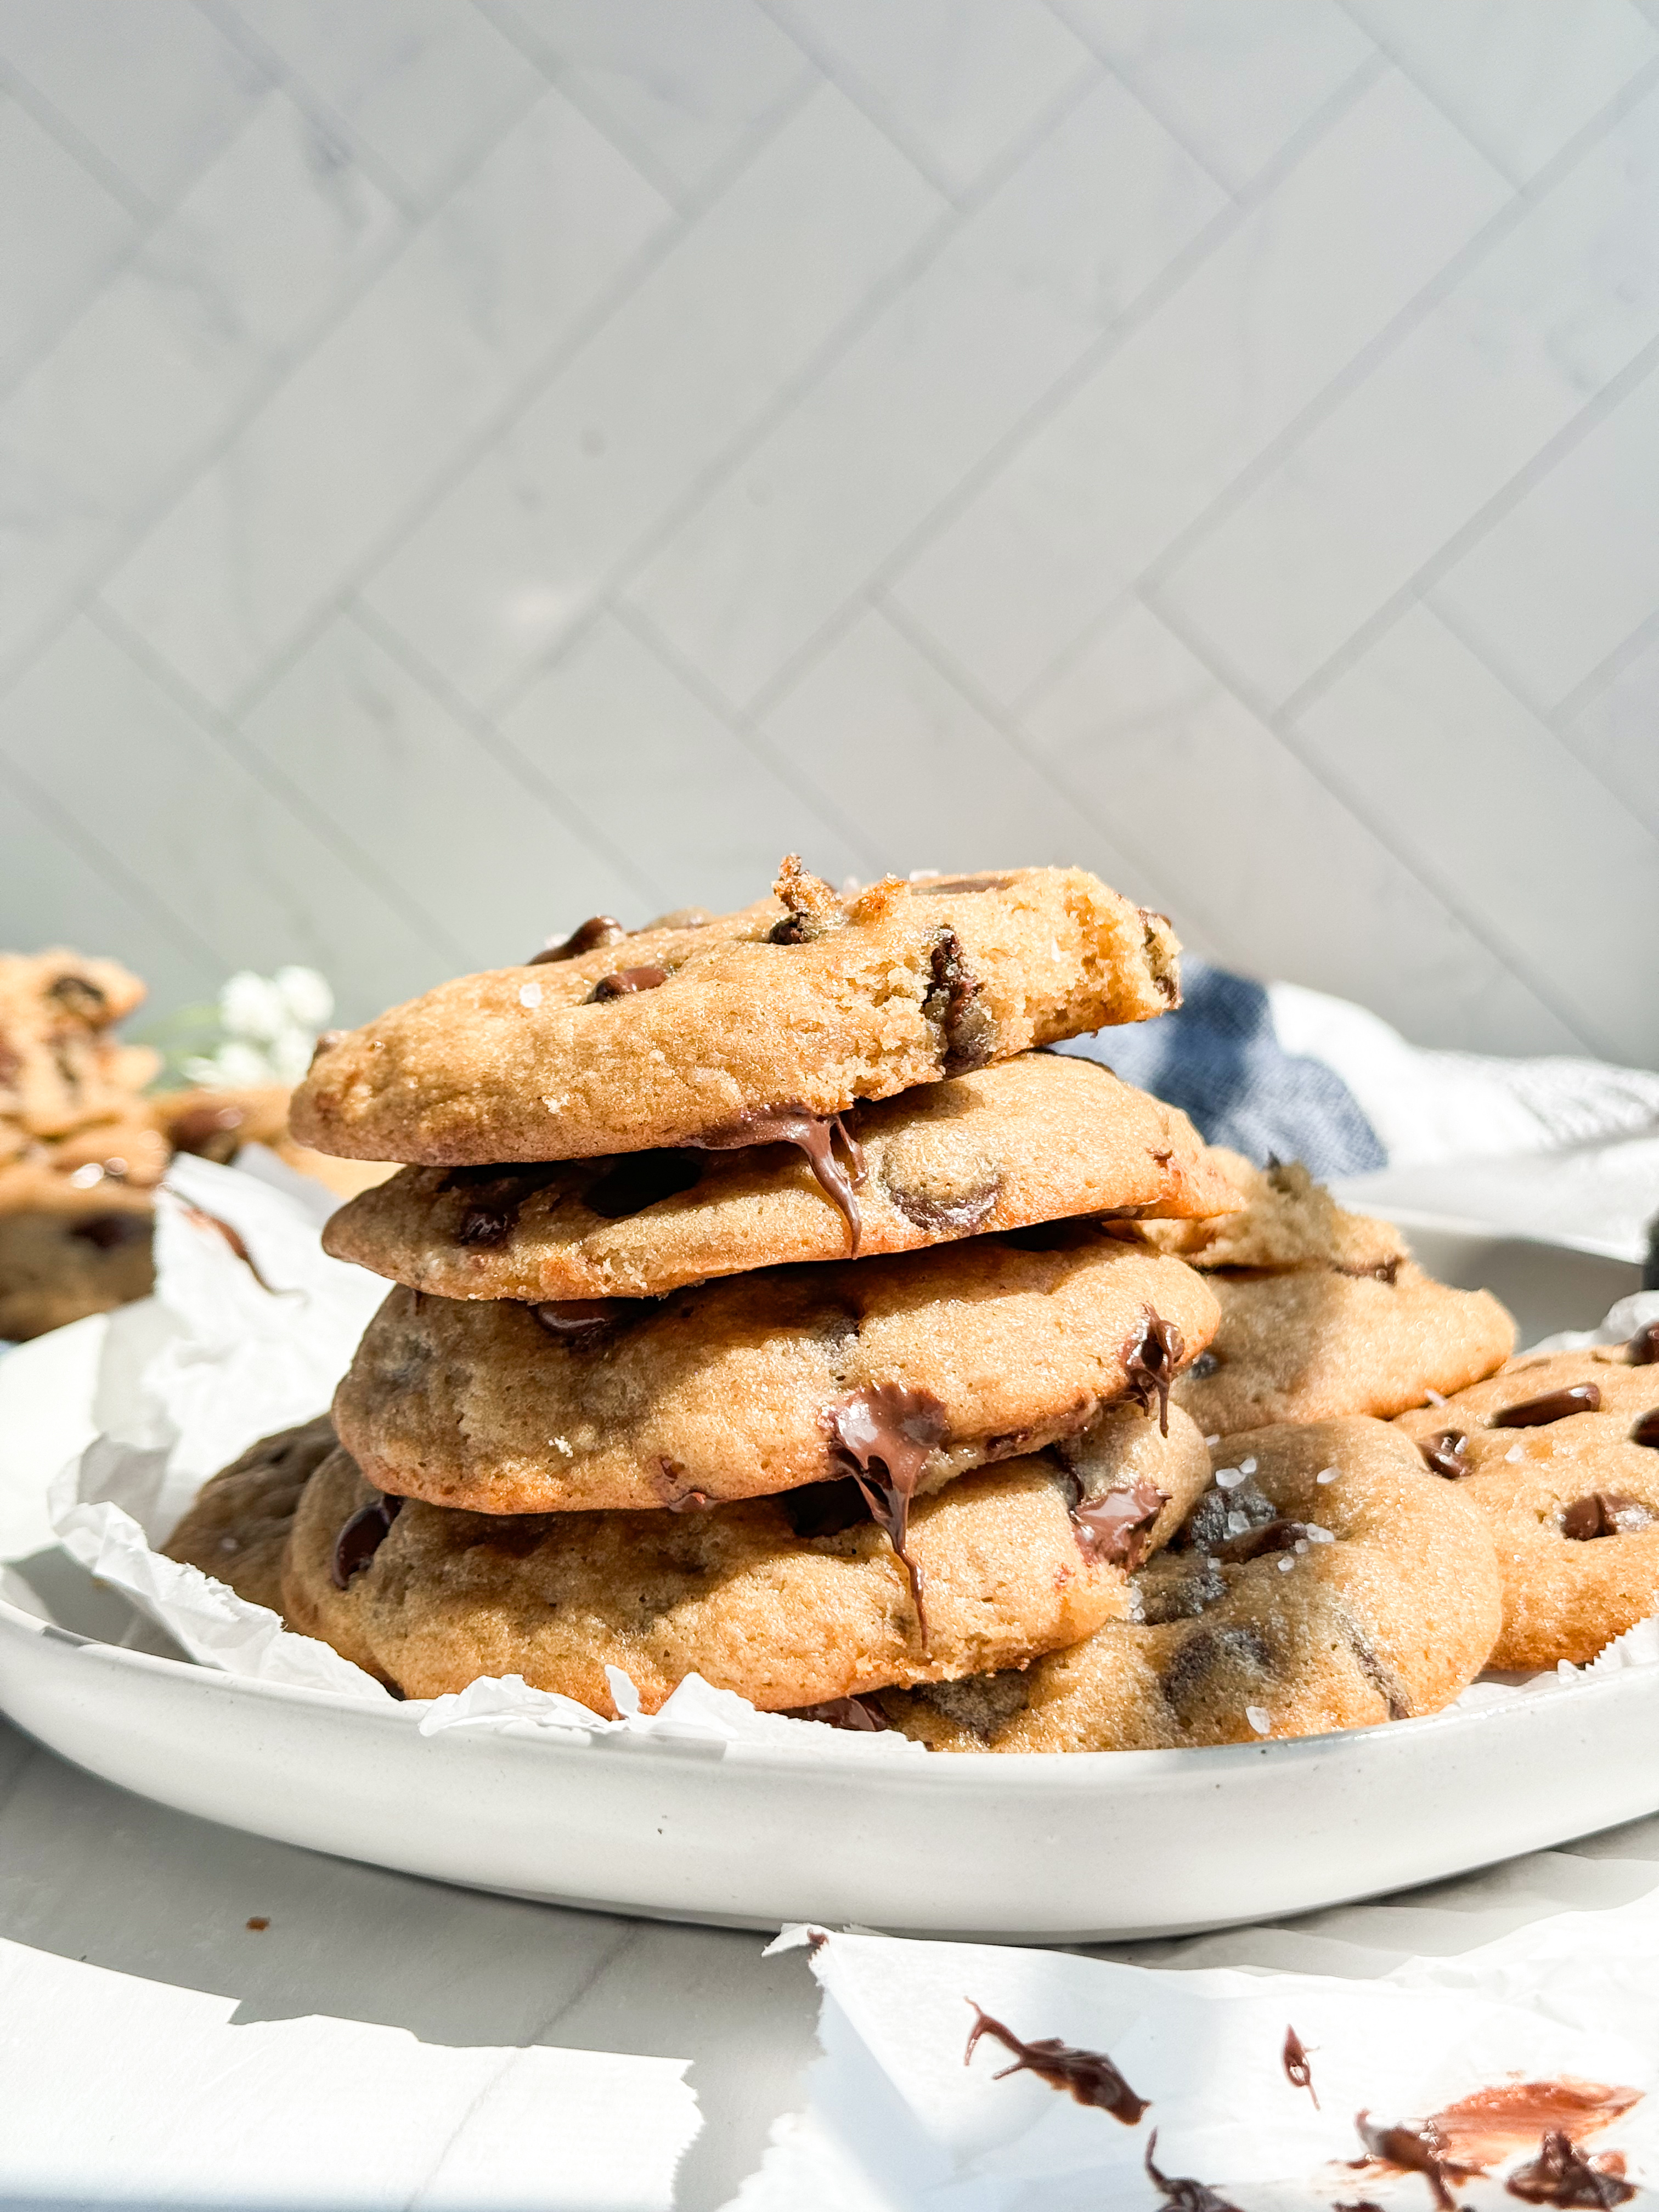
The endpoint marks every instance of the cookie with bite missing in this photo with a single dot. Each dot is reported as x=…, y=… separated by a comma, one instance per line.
x=237, y=1528
x=1030, y=1139
x=1327, y=1581
x=791, y=1602
x=806, y=1002
x=1560, y=1453
x=760, y=1383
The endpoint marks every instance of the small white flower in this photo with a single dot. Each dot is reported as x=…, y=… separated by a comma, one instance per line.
x=251, y=1006
x=1259, y=1719
x=530, y=994
x=1229, y=1478
x=305, y=995
x=1327, y=1475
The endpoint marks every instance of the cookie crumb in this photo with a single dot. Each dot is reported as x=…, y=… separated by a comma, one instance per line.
x=259, y=1924
x=1259, y=1719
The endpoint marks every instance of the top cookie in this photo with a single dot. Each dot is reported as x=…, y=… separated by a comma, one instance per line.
x=1036, y=1139
x=677, y=1036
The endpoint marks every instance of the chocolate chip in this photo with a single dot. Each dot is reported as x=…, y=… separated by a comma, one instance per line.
x=327, y=1042
x=499, y=1196
x=1563, y=2174
x=1646, y=1430
x=362, y=1536
x=967, y=1032
x=1117, y=1526
x=583, y=1322
x=1207, y=1363
x=857, y=1714
x=1167, y=1595
x=1088, y=2076
x=482, y=1227
x=111, y=1232
x=1275, y=1536
x=1603, y=1513
x=1207, y=1526
x=1641, y=1350
x=1554, y=1405
x=1208, y=1652
x=941, y=1217
x=590, y=936
x=208, y=1131
x=623, y=983
x=639, y=1180
x=1444, y=1453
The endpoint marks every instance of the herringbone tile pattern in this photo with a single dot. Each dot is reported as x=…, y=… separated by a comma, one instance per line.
x=468, y=463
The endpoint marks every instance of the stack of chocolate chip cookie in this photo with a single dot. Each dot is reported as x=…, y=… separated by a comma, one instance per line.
x=757, y=1313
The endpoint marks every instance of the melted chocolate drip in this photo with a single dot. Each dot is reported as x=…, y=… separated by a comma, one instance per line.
x=1603, y=1513
x=1643, y=1350
x=1554, y=1405
x=1088, y=2075
x=888, y=1432
x=1150, y=1364
x=200, y=1220
x=825, y=1509
x=813, y=1134
x=856, y=1714
x=622, y=982
x=1418, y=2146
x=1297, y=2070
x=638, y=1180
x=598, y=931
x=1118, y=1525
x=1181, y=2190
x=1646, y=1430
x=110, y=1232
x=1256, y=1543
x=966, y=1029
x=362, y=1536
x=583, y=1322
x=1444, y=1453
x=492, y=1215
x=1561, y=2174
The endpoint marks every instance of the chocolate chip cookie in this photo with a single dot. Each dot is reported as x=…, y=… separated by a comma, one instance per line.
x=1561, y=1454
x=69, y=1245
x=791, y=1601
x=1327, y=1581
x=764, y=1381
x=238, y=1528
x=59, y=1069
x=1322, y=1311
x=805, y=1004
x=1030, y=1139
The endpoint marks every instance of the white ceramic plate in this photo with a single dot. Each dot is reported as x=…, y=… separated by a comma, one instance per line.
x=1049, y=1848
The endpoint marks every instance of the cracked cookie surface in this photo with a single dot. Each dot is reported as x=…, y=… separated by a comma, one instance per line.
x=1030, y=1139
x=803, y=1002
x=734, y=1389
x=1287, y=1606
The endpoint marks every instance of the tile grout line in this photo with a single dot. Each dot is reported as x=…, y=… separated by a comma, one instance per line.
x=640, y=267
x=484, y=734
x=80, y=149
x=743, y=727
x=1470, y=533
x=1063, y=15
x=1606, y=671
x=103, y=861
x=1348, y=379
x=1278, y=724
x=214, y=726
x=1427, y=93
x=1176, y=272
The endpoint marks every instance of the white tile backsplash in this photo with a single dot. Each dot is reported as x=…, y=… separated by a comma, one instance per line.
x=468, y=463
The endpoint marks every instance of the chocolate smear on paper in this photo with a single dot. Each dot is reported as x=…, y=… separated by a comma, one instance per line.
x=1561, y=2174
x=1297, y=2070
x=1088, y=2075
x=1180, y=2190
